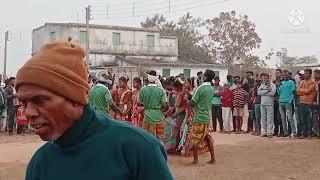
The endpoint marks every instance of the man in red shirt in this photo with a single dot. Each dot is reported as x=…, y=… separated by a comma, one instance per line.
x=226, y=100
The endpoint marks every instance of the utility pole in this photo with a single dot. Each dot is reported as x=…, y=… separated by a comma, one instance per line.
x=107, y=8
x=6, y=39
x=133, y=8
x=88, y=17
x=169, y=6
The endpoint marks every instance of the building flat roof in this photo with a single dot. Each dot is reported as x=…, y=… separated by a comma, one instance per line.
x=99, y=26
x=155, y=62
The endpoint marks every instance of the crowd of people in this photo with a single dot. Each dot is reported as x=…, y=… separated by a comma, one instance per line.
x=93, y=120
x=12, y=115
x=180, y=114
x=174, y=110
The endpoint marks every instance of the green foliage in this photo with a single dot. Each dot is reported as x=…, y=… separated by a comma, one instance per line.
x=187, y=32
x=229, y=38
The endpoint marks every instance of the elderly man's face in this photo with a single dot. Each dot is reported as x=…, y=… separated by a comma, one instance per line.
x=49, y=114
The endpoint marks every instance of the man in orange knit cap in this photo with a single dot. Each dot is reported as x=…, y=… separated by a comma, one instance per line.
x=53, y=87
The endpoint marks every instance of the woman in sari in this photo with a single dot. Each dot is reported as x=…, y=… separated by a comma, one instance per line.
x=123, y=99
x=137, y=108
x=175, y=120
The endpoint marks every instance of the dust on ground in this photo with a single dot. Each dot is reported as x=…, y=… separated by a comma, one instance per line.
x=239, y=157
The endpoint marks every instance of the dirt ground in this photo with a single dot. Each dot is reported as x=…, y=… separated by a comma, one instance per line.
x=239, y=157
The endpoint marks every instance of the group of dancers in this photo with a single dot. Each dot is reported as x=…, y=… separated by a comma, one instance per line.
x=176, y=110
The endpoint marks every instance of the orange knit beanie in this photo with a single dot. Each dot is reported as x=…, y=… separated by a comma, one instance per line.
x=58, y=67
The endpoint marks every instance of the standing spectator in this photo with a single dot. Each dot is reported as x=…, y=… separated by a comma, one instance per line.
x=239, y=100
x=297, y=77
x=12, y=103
x=278, y=130
x=249, y=81
x=257, y=110
x=199, y=78
x=216, y=105
x=230, y=82
x=22, y=121
x=226, y=100
x=307, y=93
x=316, y=107
x=248, y=86
x=2, y=106
x=236, y=80
x=267, y=91
x=286, y=96
x=297, y=97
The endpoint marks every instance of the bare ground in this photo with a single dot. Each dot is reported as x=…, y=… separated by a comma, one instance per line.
x=239, y=157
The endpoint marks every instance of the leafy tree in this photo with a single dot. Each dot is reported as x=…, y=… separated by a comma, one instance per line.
x=231, y=39
x=187, y=32
x=290, y=61
x=159, y=22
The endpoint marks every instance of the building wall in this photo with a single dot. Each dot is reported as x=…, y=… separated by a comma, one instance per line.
x=174, y=71
x=131, y=42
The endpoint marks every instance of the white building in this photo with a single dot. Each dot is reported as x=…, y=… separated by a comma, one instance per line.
x=119, y=49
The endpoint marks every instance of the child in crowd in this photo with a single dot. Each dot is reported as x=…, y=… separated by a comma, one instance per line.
x=22, y=122
x=239, y=101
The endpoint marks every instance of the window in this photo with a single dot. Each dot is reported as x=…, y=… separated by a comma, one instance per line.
x=150, y=40
x=186, y=73
x=52, y=36
x=83, y=37
x=166, y=72
x=116, y=38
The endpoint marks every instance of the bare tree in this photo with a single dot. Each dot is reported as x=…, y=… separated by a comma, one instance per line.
x=232, y=37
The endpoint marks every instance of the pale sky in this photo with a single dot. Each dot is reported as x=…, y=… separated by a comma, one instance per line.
x=271, y=18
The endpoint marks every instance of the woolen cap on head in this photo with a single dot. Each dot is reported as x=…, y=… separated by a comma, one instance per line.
x=58, y=67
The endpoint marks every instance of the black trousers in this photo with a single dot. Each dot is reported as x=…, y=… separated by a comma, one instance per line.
x=251, y=118
x=11, y=111
x=217, y=114
x=277, y=120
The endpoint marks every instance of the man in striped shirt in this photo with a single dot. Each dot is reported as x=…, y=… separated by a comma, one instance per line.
x=239, y=100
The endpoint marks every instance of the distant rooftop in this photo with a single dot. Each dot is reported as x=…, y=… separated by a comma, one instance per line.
x=148, y=62
x=99, y=26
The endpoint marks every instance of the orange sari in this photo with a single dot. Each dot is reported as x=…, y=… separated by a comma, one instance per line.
x=137, y=110
x=123, y=99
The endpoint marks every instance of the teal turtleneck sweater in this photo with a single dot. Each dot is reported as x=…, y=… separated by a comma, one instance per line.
x=97, y=148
